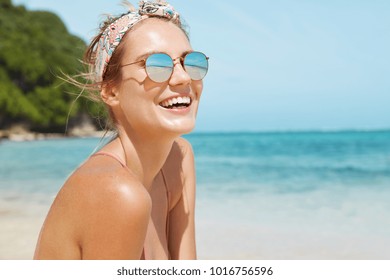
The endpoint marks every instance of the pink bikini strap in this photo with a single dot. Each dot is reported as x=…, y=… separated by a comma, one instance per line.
x=114, y=156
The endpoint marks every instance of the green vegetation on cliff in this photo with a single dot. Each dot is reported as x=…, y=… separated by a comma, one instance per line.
x=35, y=50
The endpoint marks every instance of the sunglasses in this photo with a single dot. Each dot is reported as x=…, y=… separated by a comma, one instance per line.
x=159, y=66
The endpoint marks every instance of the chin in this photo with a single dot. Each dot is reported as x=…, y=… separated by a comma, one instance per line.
x=177, y=121
x=180, y=127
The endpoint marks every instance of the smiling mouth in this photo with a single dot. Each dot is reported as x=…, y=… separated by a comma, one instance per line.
x=176, y=103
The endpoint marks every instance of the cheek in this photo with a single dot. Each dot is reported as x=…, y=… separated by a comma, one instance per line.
x=197, y=87
x=129, y=97
x=132, y=103
x=136, y=102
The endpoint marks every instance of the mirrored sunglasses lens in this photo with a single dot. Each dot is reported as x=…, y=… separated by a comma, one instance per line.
x=159, y=67
x=196, y=65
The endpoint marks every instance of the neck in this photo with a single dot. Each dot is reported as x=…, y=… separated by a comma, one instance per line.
x=145, y=154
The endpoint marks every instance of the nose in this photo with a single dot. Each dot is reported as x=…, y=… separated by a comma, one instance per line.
x=179, y=75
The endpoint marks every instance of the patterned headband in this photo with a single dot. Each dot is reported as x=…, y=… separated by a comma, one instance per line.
x=113, y=34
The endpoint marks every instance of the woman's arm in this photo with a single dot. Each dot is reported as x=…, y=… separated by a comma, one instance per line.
x=116, y=223
x=182, y=216
x=100, y=213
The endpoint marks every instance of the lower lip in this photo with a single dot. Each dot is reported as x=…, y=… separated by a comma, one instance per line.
x=179, y=111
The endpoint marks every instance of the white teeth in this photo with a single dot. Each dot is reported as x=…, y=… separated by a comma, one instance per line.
x=186, y=100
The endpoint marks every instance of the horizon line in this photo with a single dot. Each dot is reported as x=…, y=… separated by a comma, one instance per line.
x=314, y=130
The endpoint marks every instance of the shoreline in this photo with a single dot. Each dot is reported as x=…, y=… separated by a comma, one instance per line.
x=21, y=134
x=24, y=136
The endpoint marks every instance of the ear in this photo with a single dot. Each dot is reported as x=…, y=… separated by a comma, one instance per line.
x=110, y=96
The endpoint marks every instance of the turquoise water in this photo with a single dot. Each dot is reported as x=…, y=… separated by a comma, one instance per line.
x=228, y=163
x=292, y=162
x=301, y=195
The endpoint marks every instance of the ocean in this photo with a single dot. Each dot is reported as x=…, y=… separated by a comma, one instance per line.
x=281, y=195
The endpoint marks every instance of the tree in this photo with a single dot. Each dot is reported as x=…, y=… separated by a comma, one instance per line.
x=35, y=50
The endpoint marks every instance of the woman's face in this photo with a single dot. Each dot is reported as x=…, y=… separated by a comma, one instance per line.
x=143, y=102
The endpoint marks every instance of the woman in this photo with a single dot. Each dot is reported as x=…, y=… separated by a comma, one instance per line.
x=135, y=198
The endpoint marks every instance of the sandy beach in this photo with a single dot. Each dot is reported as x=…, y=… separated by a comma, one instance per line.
x=223, y=233
x=20, y=223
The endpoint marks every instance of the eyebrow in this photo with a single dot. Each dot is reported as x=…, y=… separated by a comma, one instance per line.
x=145, y=55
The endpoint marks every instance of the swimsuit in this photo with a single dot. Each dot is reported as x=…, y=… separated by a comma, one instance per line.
x=168, y=194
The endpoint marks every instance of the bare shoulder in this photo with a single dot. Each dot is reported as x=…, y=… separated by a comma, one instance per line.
x=107, y=193
x=180, y=159
x=101, y=202
x=180, y=153
x=184, y=146
x=104, y=178
x=179, y=168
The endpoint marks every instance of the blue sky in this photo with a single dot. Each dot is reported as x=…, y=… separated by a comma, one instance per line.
x=277, y=65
